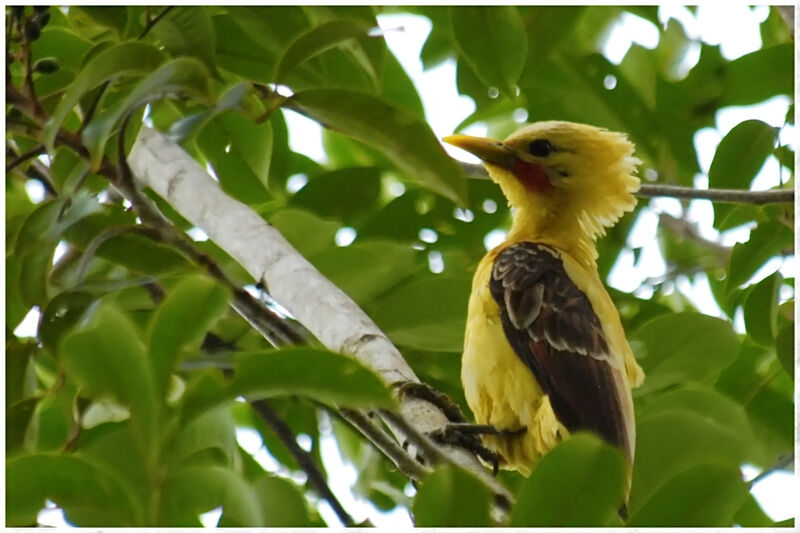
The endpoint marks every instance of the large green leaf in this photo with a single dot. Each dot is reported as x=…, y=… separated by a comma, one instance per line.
x=324, y=376
x=343, y=193
x=451, y=497
x=493, y=41
x=305, y=231
x=106, y=356
x=188, y=31
x=90, y=495
x=60, y=315
x=739, y=156
x=704, y=496
x=766, y=240
x=759, y=75
x=683, y=347
x=761, y=309
x=122, y=60
x=182, y=321
x=179, y=75
x=239, y=54
x=579, y=483
x=196, y=490
x=677, y=437
x=113, y=17
x=240, y=151
x=427, y=313
x=402, y=137
x=282, y=504
x=366, y=269
x=208, y=439
x=784, y=346
x=317, y=40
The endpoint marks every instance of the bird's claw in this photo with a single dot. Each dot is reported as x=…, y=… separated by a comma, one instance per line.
x=423, y=391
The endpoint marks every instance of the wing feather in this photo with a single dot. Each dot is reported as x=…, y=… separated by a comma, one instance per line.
x=552, y=327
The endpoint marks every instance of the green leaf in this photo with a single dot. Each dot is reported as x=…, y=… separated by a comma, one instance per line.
x=784, y=345
x=188, y=31
x=240, y=151
x=343, y=193
x=193, y=491
x=675, y=439
x=182, y=321
x=105, y=355
x=182, y=74
x=239, y=54
x=760, y=75
x=426, y=313
x=60, y=315
x=34, y=268
x=324, y=376
x=403, y=138
x=52, y=218
x=703, y=496
x=18, y=420
x=282, y=504
x=81, y=488
x=113, y=17
x=306, y=232
x=493, y=41
x=451, y=497
x=766, y=240
x=761, y=310
x=579, y=483
x=317, y=40
x=209, y=438
x=366, y=269
x=122, y=60
x=182, y=129
x=750, y=514
x=683, y=347
x=739, y=157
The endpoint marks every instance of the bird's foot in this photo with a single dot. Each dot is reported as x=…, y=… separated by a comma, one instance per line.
x=486, y=429
x=451, y=434
x=423, y=391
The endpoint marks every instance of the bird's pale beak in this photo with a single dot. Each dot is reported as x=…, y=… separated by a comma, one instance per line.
x=488, y=150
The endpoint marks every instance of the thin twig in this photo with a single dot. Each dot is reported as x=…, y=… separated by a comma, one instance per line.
x=27, y=52
x=155, y=21
x=93, y=106
x=303, y=458
x=647, y=190
x=34, y=152
x=783, y=461
x=720, y=196
x=385, y=443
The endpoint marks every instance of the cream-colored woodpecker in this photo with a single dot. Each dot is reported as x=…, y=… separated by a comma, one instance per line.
x=544, y=348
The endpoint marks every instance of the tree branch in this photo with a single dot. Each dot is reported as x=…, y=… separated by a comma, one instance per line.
x=329, y=314
x=303, y=458
x=647, y=190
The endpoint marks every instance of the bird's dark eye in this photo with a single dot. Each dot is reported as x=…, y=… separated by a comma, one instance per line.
x=541, y=148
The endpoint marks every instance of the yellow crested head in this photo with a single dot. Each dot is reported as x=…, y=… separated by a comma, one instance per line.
x=567, y=182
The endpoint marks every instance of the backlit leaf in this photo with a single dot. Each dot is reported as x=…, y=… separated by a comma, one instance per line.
x=402, y=137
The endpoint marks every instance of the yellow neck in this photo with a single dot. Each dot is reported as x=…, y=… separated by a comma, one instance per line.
x=540, y=223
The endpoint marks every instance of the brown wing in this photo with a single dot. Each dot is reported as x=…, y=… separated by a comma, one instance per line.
x=552, y=327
